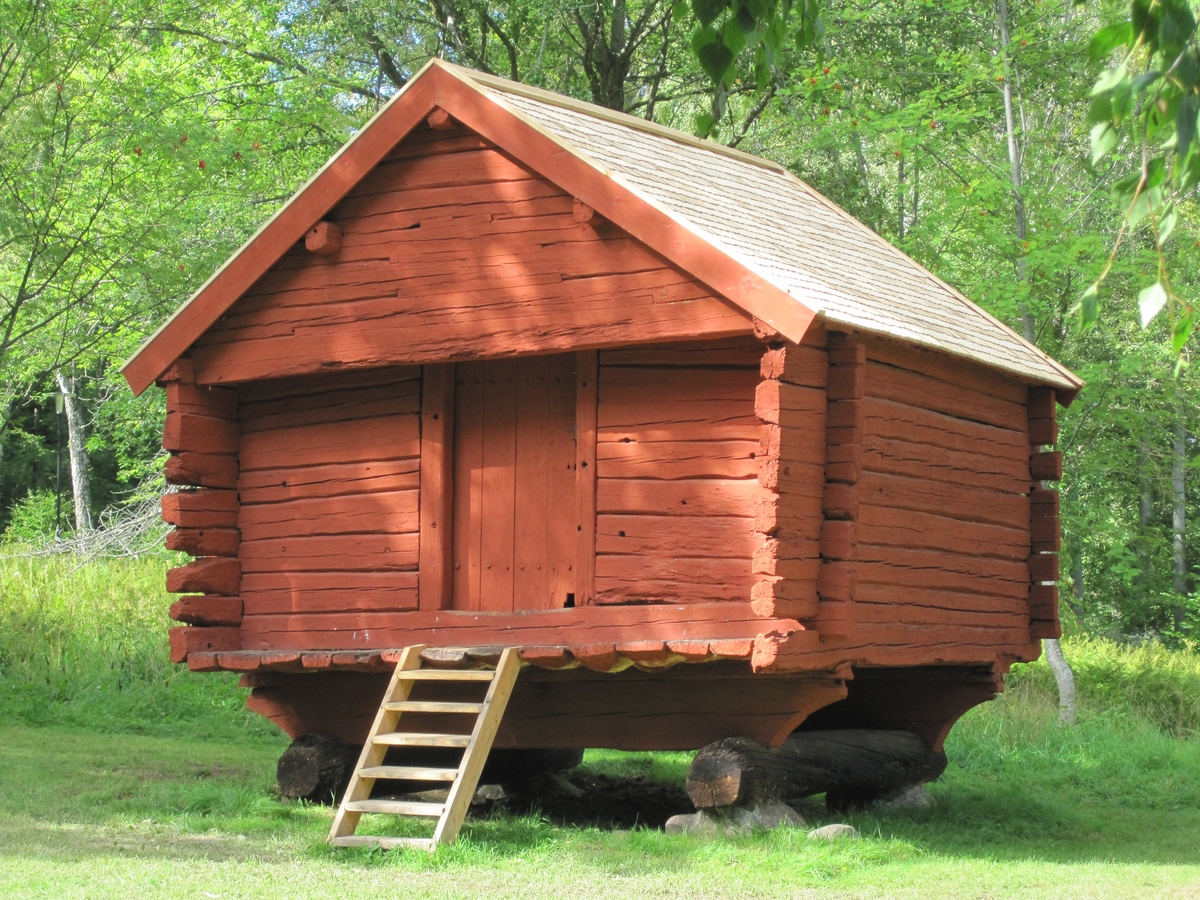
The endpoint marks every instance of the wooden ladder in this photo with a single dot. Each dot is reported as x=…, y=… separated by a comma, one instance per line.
x=384, y=734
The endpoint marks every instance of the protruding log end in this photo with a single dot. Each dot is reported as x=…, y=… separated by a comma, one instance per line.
x=582, y=212
x=325, y=238
x=440, y=120
x=765, y=332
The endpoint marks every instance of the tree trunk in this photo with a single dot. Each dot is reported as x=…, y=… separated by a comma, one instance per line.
x=1064, y=677
x=851, y=766
x=1016, y=177
x=1179, y=515
x=81, y=486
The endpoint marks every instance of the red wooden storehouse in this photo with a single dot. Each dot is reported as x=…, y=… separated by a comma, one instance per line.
x=515, y=370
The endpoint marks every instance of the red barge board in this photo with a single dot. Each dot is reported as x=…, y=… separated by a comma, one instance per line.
x=513, y=370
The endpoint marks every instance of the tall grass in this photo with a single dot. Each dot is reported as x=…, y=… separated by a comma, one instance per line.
x=85, y=643
x=1145, y=682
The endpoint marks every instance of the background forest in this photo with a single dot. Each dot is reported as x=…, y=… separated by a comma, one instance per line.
x=141, y=141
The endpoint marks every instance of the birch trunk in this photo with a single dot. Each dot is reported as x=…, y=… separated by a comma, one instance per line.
x=81, y=486
x=1015, y=175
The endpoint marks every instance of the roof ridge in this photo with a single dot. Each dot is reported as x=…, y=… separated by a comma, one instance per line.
x=504, y=85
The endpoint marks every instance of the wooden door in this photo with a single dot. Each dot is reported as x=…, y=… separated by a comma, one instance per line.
x=514, y=484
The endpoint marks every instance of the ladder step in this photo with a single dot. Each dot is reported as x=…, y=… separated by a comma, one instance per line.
x=432, y=706
x=396, y=807
x=446, y=675
x=408, y=773
x=384, y=843
x=416, y=739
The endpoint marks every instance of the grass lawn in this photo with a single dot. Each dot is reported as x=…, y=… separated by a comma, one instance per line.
x=124, y=776
x=85, y=814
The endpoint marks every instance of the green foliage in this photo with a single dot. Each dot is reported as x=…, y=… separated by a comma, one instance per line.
x=1151, y=98
x=33, y=518
x=87, y=641
x=1122, y=683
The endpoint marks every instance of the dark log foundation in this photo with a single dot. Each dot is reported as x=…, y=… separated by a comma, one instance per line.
x=317, y=767
x=851, y=767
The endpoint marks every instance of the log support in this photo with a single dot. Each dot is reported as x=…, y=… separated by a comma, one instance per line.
x=851, y=767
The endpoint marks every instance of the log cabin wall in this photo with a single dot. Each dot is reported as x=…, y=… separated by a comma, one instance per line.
x=677, y=463
x=451, y=250
x=941, y=507
x=202, y=435
x=329, y=516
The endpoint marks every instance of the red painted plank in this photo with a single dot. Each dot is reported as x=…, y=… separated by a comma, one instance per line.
x=468, y=483
x=678, y=459
x=401, y=398
x=351, y=553
x=498, y=485
x=182, y=397
x=437, y=487
x=902, y=386
x=283, y=592
x=629, y=386
x=306, y=482
x=393, y=512
x=699, y=497
x=587, y=388
x=397, y=437
x=722, y=537
x=733, y=353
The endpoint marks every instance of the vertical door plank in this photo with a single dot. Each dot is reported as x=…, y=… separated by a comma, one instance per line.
x=499, y=485
x=532, y=577
x=585, y=475
x=437, y=486
x=562, y=512
x=467, y=483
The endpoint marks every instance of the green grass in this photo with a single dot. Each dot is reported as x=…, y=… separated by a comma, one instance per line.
x=123, y=776
x=86, y=643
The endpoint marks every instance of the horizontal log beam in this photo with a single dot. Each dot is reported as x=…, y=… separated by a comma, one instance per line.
x=210, y=575
x=206, y=609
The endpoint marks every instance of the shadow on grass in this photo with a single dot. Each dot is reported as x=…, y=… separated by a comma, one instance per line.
x=61, y=799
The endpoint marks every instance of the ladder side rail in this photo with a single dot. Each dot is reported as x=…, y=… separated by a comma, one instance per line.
x=476, y=754
x=346, y=820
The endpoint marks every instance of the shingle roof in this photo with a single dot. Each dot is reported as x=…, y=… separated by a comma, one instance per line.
x=778, y=226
